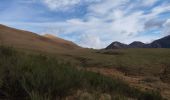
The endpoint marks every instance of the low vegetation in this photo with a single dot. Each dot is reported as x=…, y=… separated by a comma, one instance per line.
x=40, y=77
x=132, y=61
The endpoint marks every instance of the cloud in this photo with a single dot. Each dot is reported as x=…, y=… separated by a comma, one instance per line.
x=63, y=5
x=90, y=40
x=106, y=21
x=154, y=24
x=106, y=6
x=160, y=9
x=166, y=30
x=60, y=4
x=149, y=2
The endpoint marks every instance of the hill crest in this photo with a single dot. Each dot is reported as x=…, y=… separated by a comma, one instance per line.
x=32, y=41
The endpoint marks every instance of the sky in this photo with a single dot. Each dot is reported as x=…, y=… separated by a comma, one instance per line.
x=90, y=23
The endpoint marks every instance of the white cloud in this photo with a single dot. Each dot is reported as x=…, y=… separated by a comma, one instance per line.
x=166, y=26
x=63, y=5
x=60, y=4
x=149, y=2
x=90, y=40
x=160, y=9
x=106, y=6
x=105, y=21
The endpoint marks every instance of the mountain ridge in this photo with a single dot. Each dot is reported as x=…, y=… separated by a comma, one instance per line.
x=160, y=43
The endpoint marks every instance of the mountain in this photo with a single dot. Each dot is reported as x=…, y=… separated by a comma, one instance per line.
x=136, y=44
x=160, y=43
x=32, y=41
x=116, y=45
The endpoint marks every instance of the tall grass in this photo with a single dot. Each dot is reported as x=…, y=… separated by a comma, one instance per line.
x=41, y=77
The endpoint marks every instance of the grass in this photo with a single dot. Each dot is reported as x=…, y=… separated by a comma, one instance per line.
x=133, y=61
x=41, y=77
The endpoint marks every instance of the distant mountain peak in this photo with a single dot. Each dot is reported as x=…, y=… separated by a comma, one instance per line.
x=116, y=45
x=160, y=43
x=136, y=44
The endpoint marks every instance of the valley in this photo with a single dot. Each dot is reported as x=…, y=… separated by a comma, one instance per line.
x=39, y=67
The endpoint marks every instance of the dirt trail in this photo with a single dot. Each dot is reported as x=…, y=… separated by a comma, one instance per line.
x=141, y=82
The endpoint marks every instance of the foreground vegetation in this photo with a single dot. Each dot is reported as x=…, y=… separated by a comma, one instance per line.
x=40, y=77
x=132, y=61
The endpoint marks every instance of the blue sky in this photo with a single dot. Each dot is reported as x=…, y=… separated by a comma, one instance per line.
x=90, y=23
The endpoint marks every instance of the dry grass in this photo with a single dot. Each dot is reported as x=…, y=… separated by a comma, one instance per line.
x=142, y=82
x=31, y=41
x=41, y=77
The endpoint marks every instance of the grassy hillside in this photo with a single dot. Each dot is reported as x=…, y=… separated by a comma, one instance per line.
x=61, y=42
x=144, y=68
x=40, y=77
x=32, y=41
x=148, y=61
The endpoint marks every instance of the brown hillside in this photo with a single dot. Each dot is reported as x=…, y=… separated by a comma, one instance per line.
x=28, y=40
x=61, y=42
